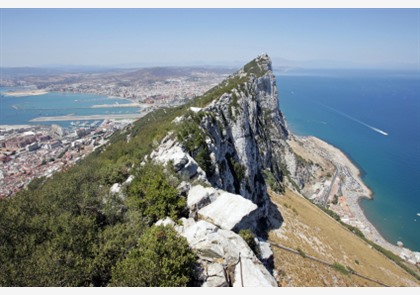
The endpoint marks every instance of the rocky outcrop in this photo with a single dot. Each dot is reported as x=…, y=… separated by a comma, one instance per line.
x=245, y=134
x=227, y=151
x=170, y=151
x=230, y=145
x=225, y=258
x=226, y=210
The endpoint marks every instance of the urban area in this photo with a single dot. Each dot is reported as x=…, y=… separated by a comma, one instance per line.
x=32, y=151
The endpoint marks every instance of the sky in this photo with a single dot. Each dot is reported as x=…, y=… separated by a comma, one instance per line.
x=354, y=38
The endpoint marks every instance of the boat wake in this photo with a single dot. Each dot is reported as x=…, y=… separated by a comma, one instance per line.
x=356, y=120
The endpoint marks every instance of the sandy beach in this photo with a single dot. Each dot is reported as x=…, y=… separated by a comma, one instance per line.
x=351, y=187
x=25, y=93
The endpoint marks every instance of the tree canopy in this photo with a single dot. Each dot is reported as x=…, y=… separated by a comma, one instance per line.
x=162, y=258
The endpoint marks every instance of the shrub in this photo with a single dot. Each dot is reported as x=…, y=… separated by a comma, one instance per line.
x=272, y=182
x=161, y=259
x=303, y=254
x=341, y=268
x=151, y=194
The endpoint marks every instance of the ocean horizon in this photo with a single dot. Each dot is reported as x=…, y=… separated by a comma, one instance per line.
x=374, y=118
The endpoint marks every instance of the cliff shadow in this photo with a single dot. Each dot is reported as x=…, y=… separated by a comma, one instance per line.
x=274, y=220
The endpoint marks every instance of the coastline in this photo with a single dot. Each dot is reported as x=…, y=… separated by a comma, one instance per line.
x=25, y=93
x=8, y=127
x=90, y=117
x=125, y=105
x=352, y=189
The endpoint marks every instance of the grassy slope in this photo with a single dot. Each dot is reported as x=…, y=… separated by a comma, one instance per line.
x=308, y=228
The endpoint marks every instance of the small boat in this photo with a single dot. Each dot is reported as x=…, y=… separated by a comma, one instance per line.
x=418, y=214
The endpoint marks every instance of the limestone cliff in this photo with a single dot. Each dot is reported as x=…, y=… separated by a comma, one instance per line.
x=228, y=148
x=237, y=139
x=233, y=144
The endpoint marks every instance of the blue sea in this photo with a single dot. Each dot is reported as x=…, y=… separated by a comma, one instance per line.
x=374, y=118
x=20, y=110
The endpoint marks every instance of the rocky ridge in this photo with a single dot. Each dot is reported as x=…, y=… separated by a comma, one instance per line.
x=224, y=151
x=227, y=149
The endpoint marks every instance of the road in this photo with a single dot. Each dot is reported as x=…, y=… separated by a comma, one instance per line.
x=326, y=196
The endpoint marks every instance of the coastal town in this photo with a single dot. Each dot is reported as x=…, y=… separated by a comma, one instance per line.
x=153, y=86
x=31, y=151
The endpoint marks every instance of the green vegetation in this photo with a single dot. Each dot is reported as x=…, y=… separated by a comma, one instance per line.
x=354, y=230
x=193, y=138
x=238, y=169
x=160, y=259
x=225, y=87
x=238, y=172
x=341, y=268
x=69, y=230
x=234, y=102
x=301, y=253
x=293, y=183
x=301, y=162
x=253, y=68
x=286, y=172
x=272, y=182
x=330, y=213
x=390, y=255
x=153, y=197
x=398, y=260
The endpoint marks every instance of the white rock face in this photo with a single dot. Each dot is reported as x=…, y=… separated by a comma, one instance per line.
x=199, y=197
x=115, y=188
x=215, y=275
x=170, y=150
x=129, y=180
x=219, y=252
x=230, y=211
x=251, y=276
x=246, y=134
x=226, y=210
x=165, y=222
x=195, y=110
x=265, y=248
x=177, y=120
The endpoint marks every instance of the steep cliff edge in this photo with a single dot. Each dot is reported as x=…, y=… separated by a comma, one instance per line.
x=231, y=144
x=228, y=149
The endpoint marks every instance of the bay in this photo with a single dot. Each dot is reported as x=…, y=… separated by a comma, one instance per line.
x=20, y=110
